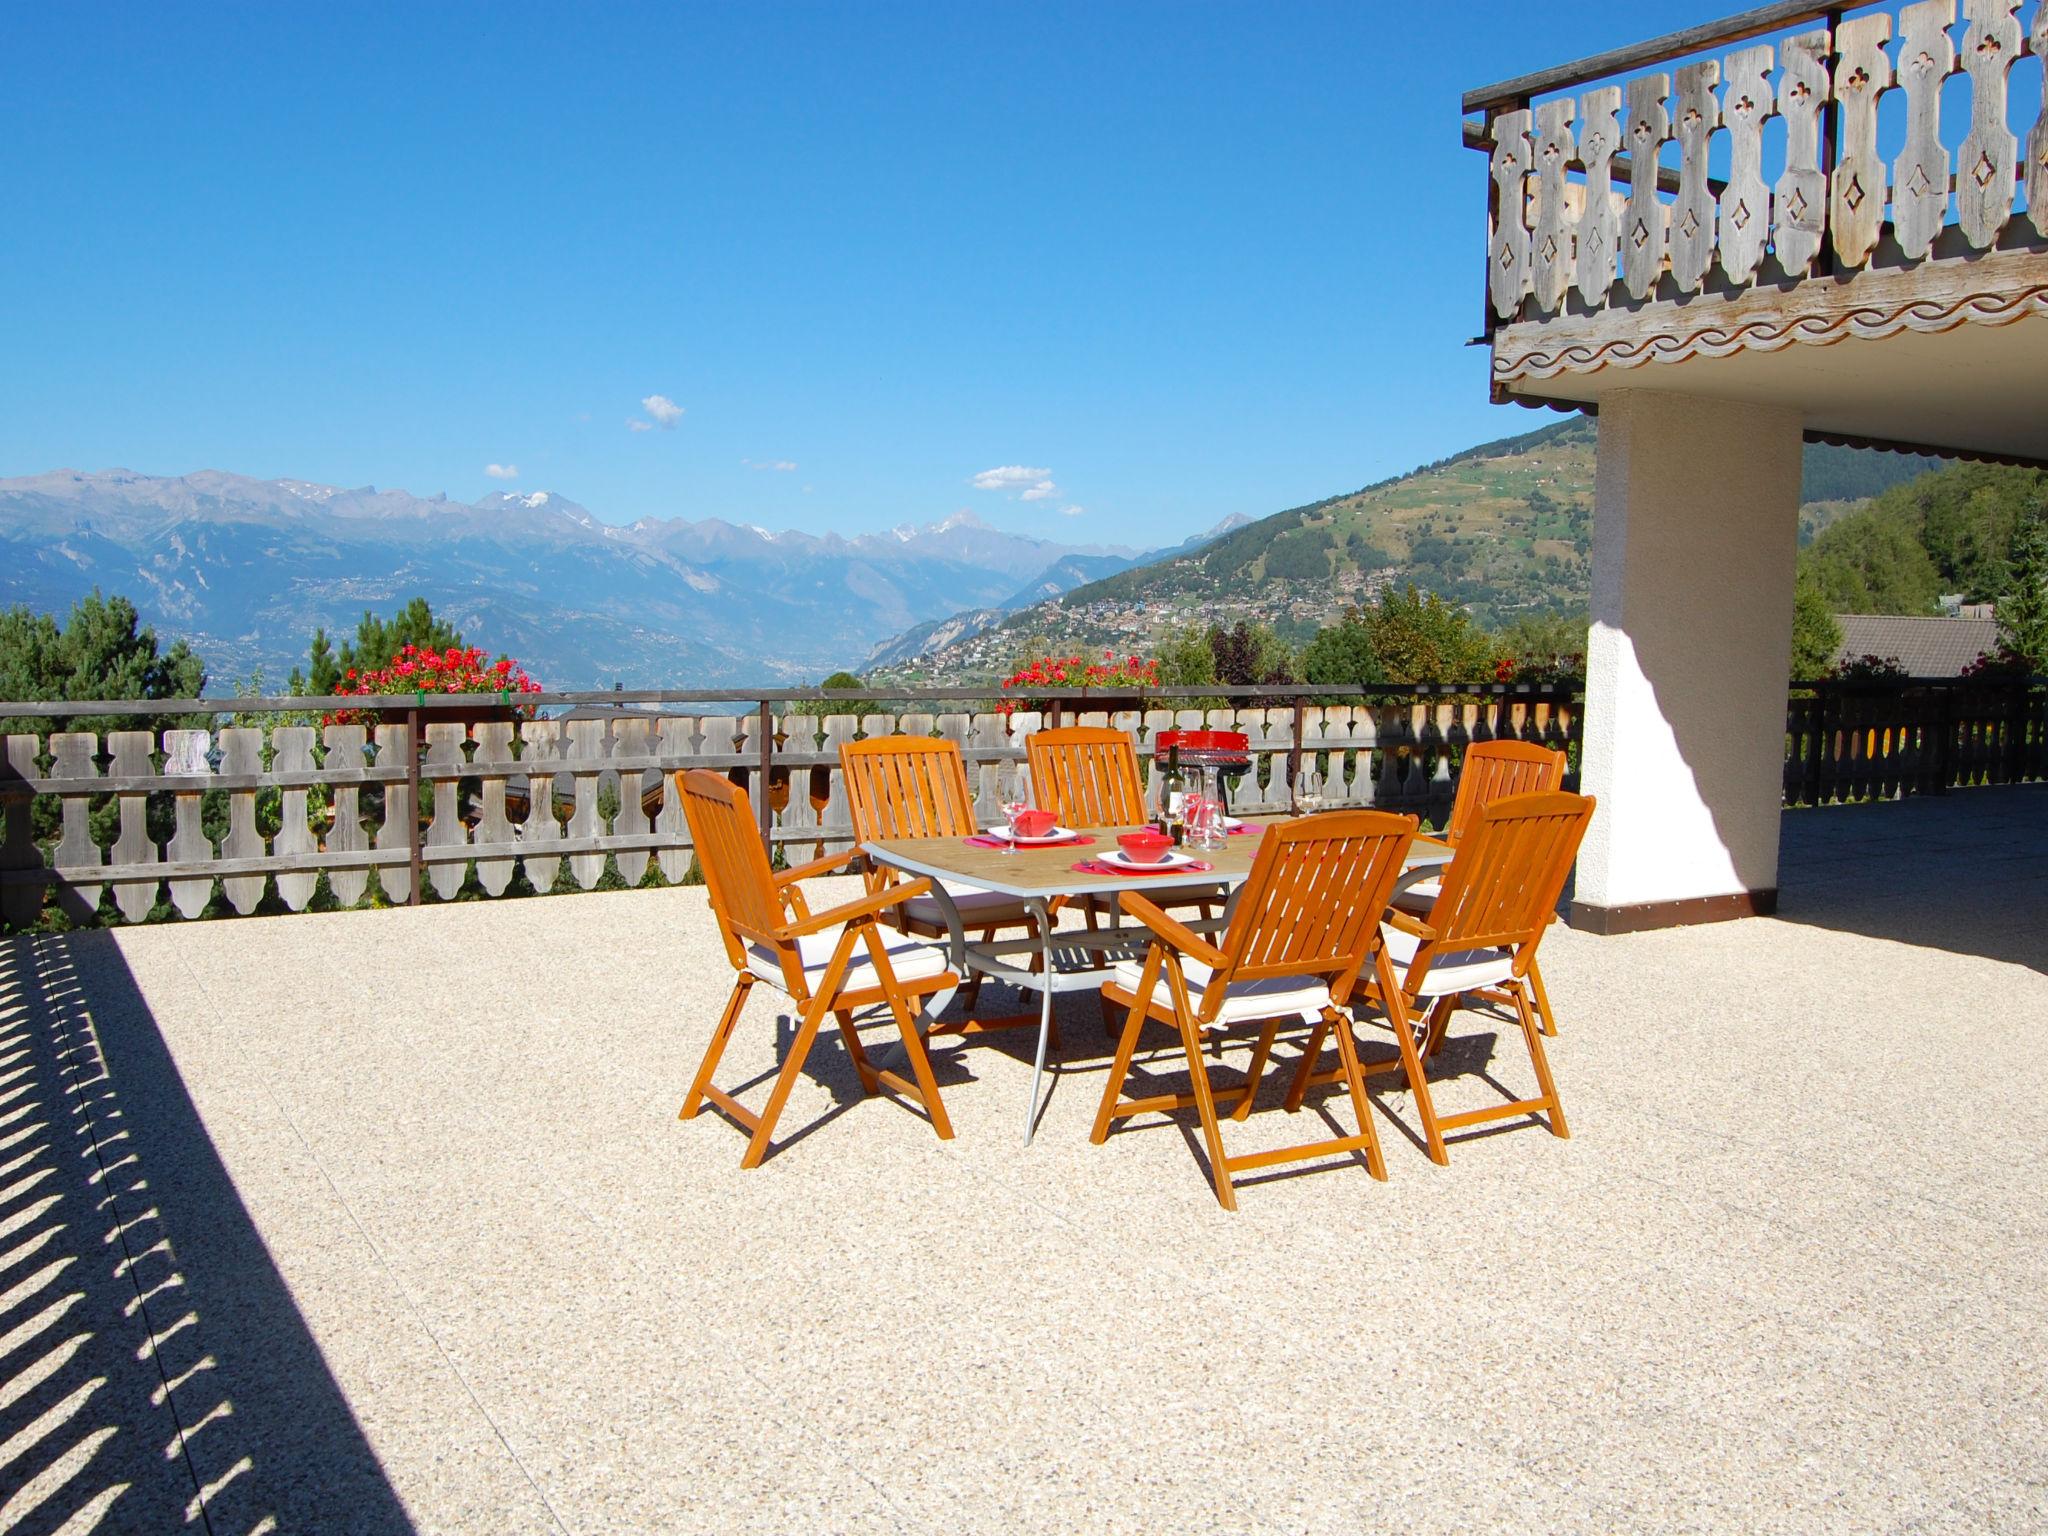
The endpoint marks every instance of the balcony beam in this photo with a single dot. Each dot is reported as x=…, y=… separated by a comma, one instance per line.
x=1619, y=61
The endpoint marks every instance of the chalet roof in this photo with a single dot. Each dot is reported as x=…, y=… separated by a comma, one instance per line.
x=1925, y=647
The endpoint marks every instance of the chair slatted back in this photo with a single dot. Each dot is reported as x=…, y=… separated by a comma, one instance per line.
x=729, y=851
x=1313, y=901
x=1493, y=770
x=1088, y=776
x=906, y=786
x=1503, y=882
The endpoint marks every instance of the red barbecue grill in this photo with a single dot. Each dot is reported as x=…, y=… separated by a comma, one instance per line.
x=1228, y=752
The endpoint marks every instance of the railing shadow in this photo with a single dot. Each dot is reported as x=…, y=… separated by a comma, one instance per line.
x=1965, y=872
x=155, y=1374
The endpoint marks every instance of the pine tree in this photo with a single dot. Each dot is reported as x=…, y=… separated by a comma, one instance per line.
x=1815, y=634
x=377, y=641
x=2023, y=611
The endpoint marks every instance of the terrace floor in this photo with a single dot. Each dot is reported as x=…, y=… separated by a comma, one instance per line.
x=384, y=1222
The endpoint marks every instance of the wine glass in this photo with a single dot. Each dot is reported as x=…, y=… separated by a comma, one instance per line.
x=1017, y=804
x=1208, y=816
x=1308, y=791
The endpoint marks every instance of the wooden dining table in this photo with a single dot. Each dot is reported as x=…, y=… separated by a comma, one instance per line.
x=1058, y=960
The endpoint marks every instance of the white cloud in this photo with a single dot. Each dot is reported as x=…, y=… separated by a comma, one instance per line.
x=664, y=411
x=1072, y=511
x=1009, y=477
x=635, y=424
x=1045, y=490
x=782, y=466
x=502, y=471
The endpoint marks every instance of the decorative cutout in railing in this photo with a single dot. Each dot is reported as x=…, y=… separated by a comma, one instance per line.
x=530, y=795
x=1551, y=234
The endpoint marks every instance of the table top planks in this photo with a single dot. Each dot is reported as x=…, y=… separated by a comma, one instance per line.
x=1041, y=873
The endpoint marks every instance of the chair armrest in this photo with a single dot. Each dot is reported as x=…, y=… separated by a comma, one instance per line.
x=865, y=906
x=826, y=865
x=1409, y=924
x=1179, y=935
x=1433, y=840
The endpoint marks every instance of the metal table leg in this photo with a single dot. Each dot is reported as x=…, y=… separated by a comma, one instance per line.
x=1044, y=1015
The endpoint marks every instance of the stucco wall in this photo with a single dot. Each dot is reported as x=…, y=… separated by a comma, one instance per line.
x=1695, y=536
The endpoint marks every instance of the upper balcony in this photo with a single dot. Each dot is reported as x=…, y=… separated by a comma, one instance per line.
x=1712, y=211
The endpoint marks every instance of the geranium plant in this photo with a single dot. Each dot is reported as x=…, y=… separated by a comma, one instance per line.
x=1055, y=674
x=422, y=669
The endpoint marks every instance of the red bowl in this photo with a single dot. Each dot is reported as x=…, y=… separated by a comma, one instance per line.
x=1035, y=823
x=1145, y=847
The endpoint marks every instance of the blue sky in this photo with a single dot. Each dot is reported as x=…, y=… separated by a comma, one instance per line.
x=1182, y=261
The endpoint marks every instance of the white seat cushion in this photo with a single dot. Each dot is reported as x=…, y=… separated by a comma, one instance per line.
x=977, y=908
x=1419, y=897
x=909, y=958
x=1277, y=997
x=1459, y=971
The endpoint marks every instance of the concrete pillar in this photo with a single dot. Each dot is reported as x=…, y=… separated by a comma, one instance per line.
x=1695, y=537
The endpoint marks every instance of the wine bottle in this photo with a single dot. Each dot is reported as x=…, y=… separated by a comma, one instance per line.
x=1173, y=795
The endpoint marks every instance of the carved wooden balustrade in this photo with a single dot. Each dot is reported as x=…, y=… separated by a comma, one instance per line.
x=1589, y=253
x=1878, y=740
x=557, y=800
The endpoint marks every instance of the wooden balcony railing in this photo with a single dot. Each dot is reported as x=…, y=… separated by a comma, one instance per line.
x=248, y=817
x=1861, y=176
x=1880, y=740
x=254, y=814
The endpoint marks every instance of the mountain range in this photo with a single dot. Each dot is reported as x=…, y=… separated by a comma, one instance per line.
x=246, y=569
x=1504, y=528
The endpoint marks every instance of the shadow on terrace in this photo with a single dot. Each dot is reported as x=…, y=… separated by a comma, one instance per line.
x=1965, y=872
x=140, y=1391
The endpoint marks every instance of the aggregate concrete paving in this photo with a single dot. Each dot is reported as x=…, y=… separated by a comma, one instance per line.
x=384, y=1222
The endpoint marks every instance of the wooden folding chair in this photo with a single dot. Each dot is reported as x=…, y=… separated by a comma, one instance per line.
x=1088, y=774
x=1492, y=770
x=1479, y=942
x=916, y=786
x=1306, y=924
x=833, y=962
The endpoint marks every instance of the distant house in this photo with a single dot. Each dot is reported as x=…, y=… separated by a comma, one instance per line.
x=1929, y=647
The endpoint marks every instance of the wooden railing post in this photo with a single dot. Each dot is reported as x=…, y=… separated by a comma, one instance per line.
x=1294, y=748
x=412, y=786
x=1944, y=739
x=764, y=805
x=1817, y=769
x=2016, y=734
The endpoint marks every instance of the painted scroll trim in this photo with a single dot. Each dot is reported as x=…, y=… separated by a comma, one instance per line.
x=1770, y=333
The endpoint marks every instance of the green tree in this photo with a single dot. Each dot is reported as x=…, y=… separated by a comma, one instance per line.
x=1544, y=639
x=324, y=669
x=1815, y=634
x=1420, y=638
x=378, y=640
x=1342, y=653
x=2023, y=608
x=101, y=651
x=822, y=707
x=1186, y=659
x=1872, y=562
